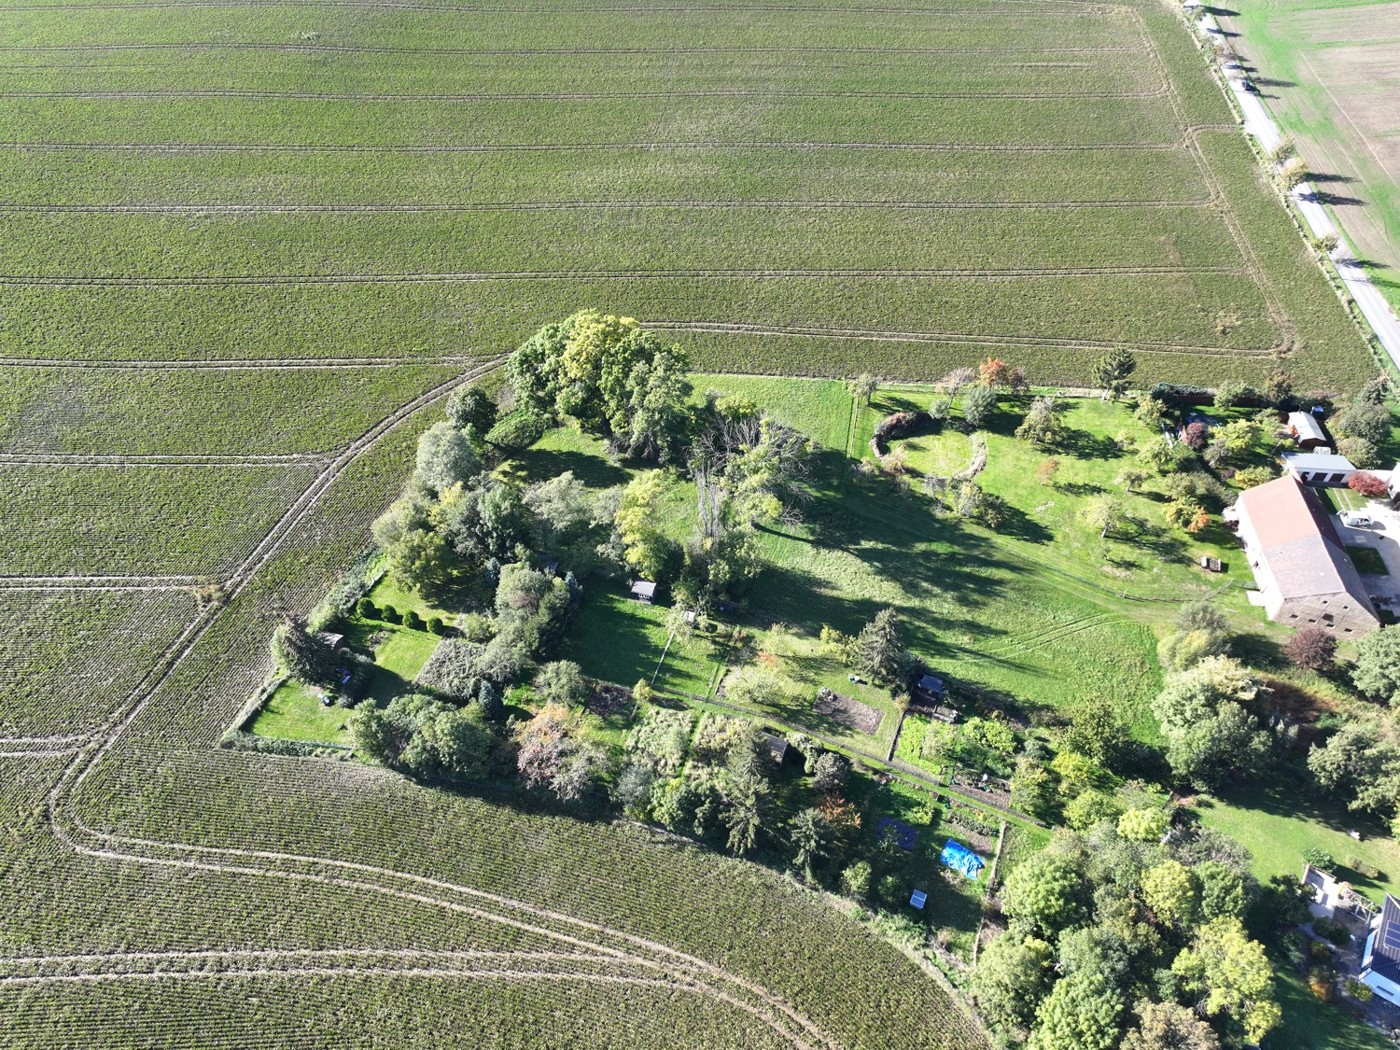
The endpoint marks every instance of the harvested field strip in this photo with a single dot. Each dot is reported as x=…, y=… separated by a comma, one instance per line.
x=705, y=145
x=608, y=205
x=433, y=319
x=289, y=868
x=877, y=335
x=233, y=364
x=139, y=519
x=723, y=176
x=68, y=658
x=261, y=1012
x=639, y=275
x=556, y=123
x=198, y=413
x=369, y=49
x=607, y=243
x=561, y=96
x=84, y=459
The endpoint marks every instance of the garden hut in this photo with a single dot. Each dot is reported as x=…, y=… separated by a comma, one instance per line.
x=643, y=591
x=1306, y=430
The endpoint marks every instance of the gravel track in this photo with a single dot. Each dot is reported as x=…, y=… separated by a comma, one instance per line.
x=594, y=275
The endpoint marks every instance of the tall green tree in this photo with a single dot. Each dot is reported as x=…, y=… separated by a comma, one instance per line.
x=1045, y=896
x=1112, y=371
x=445, y=457
x=1013, y=975
x=1377, y=671
x=305, y=655
x=471, y=406
x=1231, y=978
x=1084, y=1011
x=879, y=650
x=811, y=839
x=1168, y=1026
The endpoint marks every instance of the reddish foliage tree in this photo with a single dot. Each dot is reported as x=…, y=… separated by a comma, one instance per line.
x=1312, y=648
x=994, y=372
x=1367, y=484
x=1195, y=436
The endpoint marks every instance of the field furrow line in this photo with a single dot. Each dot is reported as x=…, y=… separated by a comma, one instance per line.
x=895, y=336
x=85, y=459
x=233, y=364
x=203, y=956
x=568, y=96
x=102, y=583
x=1037, y=639
x=707, y=146
x=273, y=208
x=603, y=275
x=1087, y=8
x=738, y=49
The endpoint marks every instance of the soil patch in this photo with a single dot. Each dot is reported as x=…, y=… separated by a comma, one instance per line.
x=847, y=710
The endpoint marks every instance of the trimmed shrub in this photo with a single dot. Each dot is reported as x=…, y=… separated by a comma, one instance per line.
x=436, y=626
x=390, y=615
x=413, y=621
x=366, y=609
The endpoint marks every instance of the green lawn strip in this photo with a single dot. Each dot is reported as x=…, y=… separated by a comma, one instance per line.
x=388, y=593
x=1309, y=1023
x=1277, y=819
x=615, y=639
x=1368, y=560
x=295, y=712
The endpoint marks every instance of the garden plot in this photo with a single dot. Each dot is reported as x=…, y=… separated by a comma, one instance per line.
x=69, y=657
x=175, y=521
x=850, y=712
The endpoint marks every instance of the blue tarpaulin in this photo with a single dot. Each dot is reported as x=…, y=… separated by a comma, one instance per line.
x=960, y=858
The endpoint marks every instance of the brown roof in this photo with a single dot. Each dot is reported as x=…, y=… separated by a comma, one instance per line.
x=1297, y=539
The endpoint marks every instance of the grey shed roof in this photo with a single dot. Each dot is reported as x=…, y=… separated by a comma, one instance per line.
x=1324, y=461
x=1306, y=426
x=644, y=589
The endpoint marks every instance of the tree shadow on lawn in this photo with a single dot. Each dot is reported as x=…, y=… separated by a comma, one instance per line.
x=536, y=464
x=1083, y=445
x=1290, y=794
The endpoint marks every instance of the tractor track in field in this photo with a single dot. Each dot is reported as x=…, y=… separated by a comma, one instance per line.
x=566, y=96
x=80, y=581
x=113, y=281
x=252, y=364
x=85, y=459
x=252, y=45
x=708, y=146
x=893, y=336
x=404, y=5
x=689, y=972
x=600, y=205
x=1038, y=639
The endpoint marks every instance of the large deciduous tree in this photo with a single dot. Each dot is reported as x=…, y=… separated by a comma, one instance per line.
x=1231, y=978
x=1377, y=670
x=445, y=457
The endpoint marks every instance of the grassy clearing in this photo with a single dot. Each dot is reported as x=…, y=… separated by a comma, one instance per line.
x=294, y=712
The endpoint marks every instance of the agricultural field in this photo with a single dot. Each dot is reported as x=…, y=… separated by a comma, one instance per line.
x=253, y=246
x=1326, y=71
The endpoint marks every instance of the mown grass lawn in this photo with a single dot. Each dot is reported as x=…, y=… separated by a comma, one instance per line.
x=295, y=712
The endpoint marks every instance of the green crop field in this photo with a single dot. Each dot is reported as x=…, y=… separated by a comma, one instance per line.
x=250, y=246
